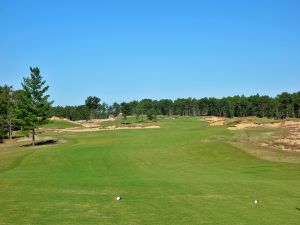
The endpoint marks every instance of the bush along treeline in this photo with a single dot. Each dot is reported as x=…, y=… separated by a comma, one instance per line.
x=29, y=108
x=284, y=105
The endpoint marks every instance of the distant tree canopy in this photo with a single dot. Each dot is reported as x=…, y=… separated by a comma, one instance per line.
x=284, y=105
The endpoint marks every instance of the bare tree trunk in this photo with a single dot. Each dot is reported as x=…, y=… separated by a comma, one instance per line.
x=33, y=137
x=10, y=130
x=293, y=113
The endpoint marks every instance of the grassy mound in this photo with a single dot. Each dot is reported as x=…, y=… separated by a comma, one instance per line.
x=60, y=124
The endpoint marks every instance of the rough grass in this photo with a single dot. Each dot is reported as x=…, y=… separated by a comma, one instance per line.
x=252, y=119
x=170, y=175
x=57, y=124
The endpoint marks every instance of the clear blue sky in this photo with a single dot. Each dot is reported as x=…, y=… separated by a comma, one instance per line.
x=125, y=50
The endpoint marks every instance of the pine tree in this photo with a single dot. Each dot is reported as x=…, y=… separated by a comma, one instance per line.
x=7, y=110
x=92, y=103
x=34, y=105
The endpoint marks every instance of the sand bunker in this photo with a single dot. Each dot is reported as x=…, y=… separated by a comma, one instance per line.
x=105, y=129
x=215, y=121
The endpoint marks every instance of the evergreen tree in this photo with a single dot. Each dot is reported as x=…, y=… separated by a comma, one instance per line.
x=125, y=109
x=151, y=114
x=33, y=106
x=92, y=102
x=7, y=110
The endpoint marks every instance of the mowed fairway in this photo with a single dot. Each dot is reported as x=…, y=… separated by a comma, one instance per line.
x=172, y=175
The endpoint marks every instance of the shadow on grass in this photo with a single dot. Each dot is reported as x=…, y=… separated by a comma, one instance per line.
x=42, y=142
x=138, y=121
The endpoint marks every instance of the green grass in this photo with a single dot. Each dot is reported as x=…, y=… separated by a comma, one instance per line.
x=60, y=124
x=130, y=121
x=177, y=174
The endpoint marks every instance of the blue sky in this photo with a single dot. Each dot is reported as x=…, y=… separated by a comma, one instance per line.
x=125, y=50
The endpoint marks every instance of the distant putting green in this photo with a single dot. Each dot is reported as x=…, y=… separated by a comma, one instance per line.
x=130, y=121
x=183, y=173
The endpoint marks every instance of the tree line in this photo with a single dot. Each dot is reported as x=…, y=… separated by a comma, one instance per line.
x=284, y=105
x=28, y=108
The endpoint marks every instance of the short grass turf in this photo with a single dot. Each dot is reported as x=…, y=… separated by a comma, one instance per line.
x=177, y=174
x=130, y=121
